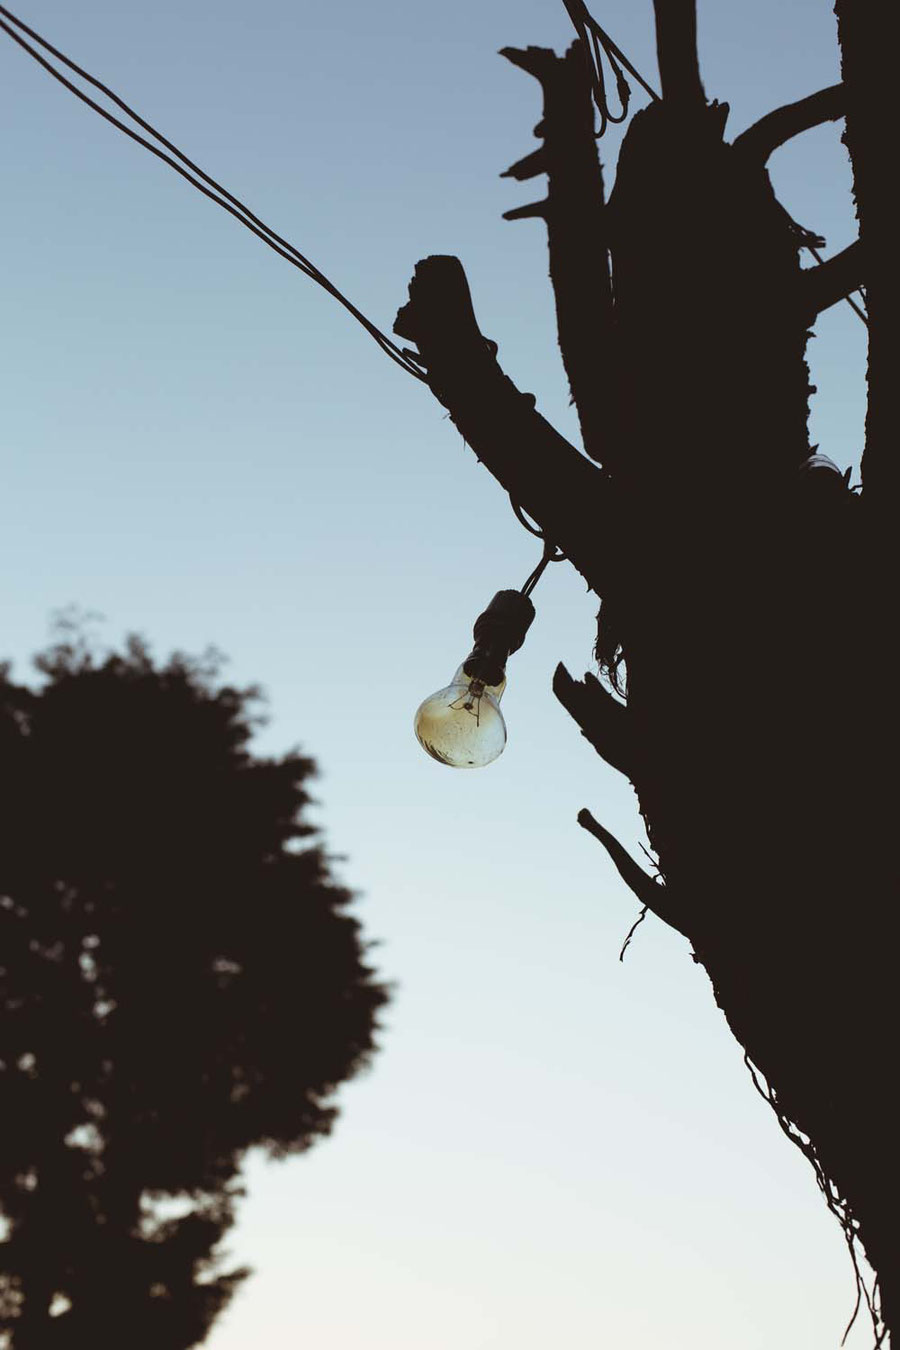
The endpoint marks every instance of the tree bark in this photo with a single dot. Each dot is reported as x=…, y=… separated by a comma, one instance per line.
x=737, y=582
x=868, y=67
x=578, y=249
x=541, y=471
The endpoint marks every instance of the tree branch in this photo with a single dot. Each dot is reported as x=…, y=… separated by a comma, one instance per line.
x=765, y=136
x=824, y=286
x=576, y=235
x=541, y=471
x=533, y=210
x=869, y=72
x=676, y=50
x=602, y=719
x=649, y=892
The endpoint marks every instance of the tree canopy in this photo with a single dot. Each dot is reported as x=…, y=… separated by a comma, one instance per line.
x=179, y=981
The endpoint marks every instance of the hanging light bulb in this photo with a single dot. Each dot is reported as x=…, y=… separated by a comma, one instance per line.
x=462, y=725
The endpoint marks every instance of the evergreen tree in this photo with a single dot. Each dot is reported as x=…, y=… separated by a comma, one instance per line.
x=179, y=982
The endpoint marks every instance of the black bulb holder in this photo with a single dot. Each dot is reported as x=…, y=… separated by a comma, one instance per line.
x=498, y=632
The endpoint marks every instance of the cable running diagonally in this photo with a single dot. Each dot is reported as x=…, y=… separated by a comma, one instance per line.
x=194, y=175
x=860, y=290
x=595, y=40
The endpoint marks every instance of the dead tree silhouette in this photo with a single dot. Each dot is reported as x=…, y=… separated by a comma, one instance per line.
x=744, y=587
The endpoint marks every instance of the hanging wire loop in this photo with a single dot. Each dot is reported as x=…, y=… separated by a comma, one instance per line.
x=598, y=48
x=552, y=552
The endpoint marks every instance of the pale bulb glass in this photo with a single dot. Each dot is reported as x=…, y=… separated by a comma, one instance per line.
x=462, y=725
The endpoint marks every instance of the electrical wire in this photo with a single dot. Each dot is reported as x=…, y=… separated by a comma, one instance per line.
x=857, y=309
x=552, y=552
x=597, y=43
x=188, y=169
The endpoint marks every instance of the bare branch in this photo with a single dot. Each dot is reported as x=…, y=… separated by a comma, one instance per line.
x=648, y=891
x=541, y=471
x=602, y=719
x=576, y=235
x=537, y=61
x=676, y=49
x=824, y=286
x=529, y=167
x=533, y=209
x=765, y=136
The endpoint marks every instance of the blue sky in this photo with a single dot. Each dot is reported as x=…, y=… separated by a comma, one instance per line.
x=201, y=446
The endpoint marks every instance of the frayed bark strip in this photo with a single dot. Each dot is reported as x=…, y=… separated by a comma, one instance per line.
x=835, y=1202
x=631, y=932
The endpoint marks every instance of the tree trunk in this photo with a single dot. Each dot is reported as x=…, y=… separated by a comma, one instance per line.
x=742, y=582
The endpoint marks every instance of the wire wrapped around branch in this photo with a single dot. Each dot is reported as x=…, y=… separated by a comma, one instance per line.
x=541, y=471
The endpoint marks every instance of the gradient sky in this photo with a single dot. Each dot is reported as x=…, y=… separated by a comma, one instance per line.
x=553, y=1148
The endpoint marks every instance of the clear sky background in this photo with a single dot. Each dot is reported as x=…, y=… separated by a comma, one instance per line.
x=553, y=1148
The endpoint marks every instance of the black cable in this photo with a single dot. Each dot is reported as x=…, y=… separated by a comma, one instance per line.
x=857, y=309
x=552, y=553
x=233, y=205
x=598, y=44
x=584, y=24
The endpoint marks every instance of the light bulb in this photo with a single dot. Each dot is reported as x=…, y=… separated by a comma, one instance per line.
x=462, y=725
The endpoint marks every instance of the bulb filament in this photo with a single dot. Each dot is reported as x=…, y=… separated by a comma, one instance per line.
x=470, y=701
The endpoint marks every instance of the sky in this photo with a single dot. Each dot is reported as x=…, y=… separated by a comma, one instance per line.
x=552, y=1147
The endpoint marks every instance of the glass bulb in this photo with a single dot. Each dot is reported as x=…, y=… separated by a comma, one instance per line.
x=462, y=725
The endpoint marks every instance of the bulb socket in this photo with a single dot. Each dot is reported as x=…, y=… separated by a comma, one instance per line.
x=498, y=632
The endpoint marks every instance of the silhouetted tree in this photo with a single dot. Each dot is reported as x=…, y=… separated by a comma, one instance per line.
x=178, y=983
x=745, y=589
